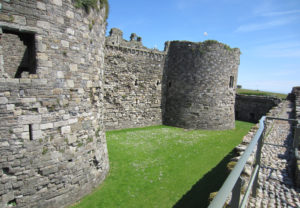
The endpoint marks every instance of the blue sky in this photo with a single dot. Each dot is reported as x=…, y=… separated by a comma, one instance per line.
x=266, y=31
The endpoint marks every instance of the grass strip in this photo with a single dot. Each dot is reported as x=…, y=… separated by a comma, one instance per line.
x=162, y=166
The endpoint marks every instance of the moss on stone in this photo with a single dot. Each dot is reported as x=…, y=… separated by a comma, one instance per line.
x=211, y=42
x=231, y=165
x=93, y=4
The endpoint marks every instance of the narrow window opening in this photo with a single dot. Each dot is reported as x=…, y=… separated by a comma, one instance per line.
x=136, y=82
x=96, y=163
x=170, y=84
x=5, y=170
x=231, y=81
x=12, y=203
x=157, y=82
x=19, y=53
x=30, y=132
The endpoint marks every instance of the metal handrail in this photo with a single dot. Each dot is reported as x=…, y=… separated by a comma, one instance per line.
x=233, y=181
x=230, y=182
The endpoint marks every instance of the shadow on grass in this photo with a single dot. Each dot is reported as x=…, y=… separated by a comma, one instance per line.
x=210, y=182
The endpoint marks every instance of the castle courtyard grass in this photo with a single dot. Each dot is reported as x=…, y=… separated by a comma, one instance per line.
x=262, y=93
x=158, y=166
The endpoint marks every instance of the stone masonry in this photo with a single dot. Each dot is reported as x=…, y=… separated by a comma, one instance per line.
x=52, y=140
x=200, y=85
x=133, y=83
x=189, y=85
x=252, y=107
x=295, y=94
x=56, y=97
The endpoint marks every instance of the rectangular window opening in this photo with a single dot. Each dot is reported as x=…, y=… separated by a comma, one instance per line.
x=30, y=132
x=231, y=81
x=19, y=53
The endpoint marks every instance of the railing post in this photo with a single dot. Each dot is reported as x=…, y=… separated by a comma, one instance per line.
x=236, y=193
x=257, y=160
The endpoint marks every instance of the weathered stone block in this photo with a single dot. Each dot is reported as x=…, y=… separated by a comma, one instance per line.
x=70, y=14
x=65, y=43
x=72, y=139
x=43, y=24
x=19, y=19
x=65, y=130
x=70, y=83
x=57, y=2
x=3, y=100
x=60, y=74
x=46, y=126
x=42, y=56
x=29, y=119
x=70, y=31
x=73, y=67
x=41, y=5
x=28, y=100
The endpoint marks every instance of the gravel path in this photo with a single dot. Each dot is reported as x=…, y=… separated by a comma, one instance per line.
x=276, y=187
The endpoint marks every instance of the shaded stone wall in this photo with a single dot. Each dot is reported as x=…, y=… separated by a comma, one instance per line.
x=252, y=107
x=295, y=97
x=200, y=85
x=52, y=142
x=133, y=83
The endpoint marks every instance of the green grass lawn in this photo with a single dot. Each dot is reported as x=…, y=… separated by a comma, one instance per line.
x=163, y=166
x=258, y=92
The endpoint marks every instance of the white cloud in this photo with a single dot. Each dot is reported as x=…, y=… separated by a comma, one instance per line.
x=280, y=13
x=263, y=7
x=263, y=26
x=205, y=33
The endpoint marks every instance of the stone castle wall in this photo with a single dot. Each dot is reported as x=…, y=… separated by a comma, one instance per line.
x=251, y=107
x=295, y=97
x=133, y=83
x=200, y=85
x=56, y=97
x=52, y=140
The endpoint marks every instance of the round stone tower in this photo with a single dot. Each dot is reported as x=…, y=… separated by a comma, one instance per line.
x=200, y=85
x=52, y=141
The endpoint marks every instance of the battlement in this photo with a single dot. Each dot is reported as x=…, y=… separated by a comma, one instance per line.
x=115, y=38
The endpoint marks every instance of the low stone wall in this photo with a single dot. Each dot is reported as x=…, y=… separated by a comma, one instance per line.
x=252, y=107
x=295, y=97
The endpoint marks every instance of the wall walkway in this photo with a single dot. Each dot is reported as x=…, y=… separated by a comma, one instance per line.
x=276, y=187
